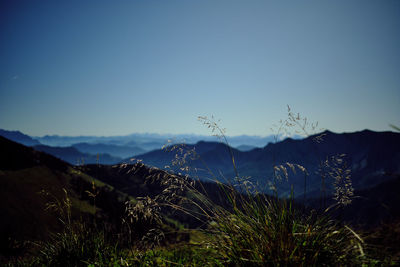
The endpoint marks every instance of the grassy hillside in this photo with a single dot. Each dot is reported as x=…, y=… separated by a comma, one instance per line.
x=29, y=181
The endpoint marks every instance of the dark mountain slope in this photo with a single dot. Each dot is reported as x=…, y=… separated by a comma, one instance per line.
x=19, y=137
x=73, y=156
x=24, y=173
x=377, y=205
x=131, y=179
x=29, y=179
x=369, y=207
x=369, y=155
x=205, y=159
x=138, y=180
x=15, y=156
x=245, y=148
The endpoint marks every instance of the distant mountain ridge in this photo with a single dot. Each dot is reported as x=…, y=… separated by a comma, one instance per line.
x=75, y=157
x=371, y=156
x=19, y=137
x=115, y=150
x=152, y=141
x=146, y=141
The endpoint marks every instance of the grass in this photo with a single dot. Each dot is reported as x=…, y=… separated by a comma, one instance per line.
x=255, y=231
x=271, y=232
x=247, y=229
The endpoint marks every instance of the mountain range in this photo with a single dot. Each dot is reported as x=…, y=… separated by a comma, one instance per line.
x=115, y=148
x=371, y=157
x=74, y=156
x=150, y=141
x=19, y=137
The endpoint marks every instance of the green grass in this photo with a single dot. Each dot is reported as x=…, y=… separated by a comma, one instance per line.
x=273, y=233
x=254, y=230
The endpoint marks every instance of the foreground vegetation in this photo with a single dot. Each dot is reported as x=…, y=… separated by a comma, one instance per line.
x=253, y=231
x=236, y=226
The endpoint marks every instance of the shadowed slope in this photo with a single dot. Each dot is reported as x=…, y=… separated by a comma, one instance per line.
x=29, y=179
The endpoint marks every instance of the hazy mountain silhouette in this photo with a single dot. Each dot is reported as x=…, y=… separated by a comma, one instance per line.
x=73, y=156
x=149, y=141
x=19, y=137
x=113, y=150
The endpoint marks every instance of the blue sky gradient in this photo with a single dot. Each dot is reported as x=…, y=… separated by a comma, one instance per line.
x=118, y=67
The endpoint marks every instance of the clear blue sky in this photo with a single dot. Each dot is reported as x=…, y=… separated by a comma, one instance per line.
x=118, y=67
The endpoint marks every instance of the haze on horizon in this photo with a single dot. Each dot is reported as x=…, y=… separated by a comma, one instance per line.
x=114, y=68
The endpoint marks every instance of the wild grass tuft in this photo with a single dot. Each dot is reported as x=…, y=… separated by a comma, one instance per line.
x=273, y=232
